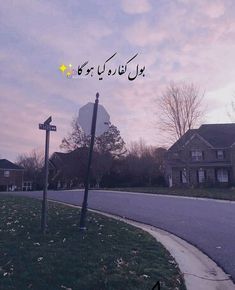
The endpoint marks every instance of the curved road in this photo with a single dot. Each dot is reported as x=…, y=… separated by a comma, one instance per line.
x=207, y=224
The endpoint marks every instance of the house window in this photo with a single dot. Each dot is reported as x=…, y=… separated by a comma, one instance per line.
x=6, y=173
x=220, y=154
x=27, y=185
x=201, y=175
x=183, y=176
x=222, y=175
x=197, y=155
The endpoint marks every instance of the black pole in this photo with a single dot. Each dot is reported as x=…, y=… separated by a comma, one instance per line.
x=93, y=127
x=44, y=200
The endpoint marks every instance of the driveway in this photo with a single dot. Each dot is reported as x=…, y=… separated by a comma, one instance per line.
x=207, y=224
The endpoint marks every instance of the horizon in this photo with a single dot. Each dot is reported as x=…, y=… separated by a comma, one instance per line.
x=180, y=41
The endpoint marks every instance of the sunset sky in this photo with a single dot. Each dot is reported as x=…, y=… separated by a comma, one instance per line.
x=177, y=40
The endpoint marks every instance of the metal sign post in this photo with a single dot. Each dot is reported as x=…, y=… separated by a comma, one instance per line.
x=93, y=127
x=47, y=127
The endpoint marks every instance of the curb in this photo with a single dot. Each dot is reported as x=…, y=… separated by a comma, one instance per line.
x=199, y=271
x=167, y=195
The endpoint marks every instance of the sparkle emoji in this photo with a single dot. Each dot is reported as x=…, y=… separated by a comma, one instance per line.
x=63, y=67
x=69, y=74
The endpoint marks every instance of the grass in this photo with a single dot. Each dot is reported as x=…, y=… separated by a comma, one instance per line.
x=216, y=193
x=109, y=255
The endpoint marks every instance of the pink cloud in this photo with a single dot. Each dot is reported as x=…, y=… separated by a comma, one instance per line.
x=141, y=34
x=137, y=7
x=180, y=40
x=213, y=9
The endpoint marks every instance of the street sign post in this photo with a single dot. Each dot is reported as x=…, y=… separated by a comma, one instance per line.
x=93, y=129
x=47, y=127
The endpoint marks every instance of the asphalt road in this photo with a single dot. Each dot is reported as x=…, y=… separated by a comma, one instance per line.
x=207, y=224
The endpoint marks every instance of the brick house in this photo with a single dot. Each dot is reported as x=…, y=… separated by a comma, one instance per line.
x=203, y=157
x=11, y=176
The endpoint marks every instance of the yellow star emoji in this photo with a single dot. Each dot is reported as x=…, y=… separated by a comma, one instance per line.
x=63, y=67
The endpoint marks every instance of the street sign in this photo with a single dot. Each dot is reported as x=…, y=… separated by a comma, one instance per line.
x=85, y=119
x=47, y=127
x=48, y=121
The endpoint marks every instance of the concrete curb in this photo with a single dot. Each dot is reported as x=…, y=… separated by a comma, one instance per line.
x=168, y=195
x=199, y=271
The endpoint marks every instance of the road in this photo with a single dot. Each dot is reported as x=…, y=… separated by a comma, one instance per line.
x=207, y=224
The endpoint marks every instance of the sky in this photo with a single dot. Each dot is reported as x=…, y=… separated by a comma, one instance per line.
x=176, y=40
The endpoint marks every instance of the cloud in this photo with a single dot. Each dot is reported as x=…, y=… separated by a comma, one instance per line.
x=175, y=40
x=135, y=7
x=214, y=9
x=142, y=34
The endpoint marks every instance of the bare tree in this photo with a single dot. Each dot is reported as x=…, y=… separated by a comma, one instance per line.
x=145, y=163
x=231, y=110
x=139, y=148
x=33, y=163
x=102, y=163
x=180, y=108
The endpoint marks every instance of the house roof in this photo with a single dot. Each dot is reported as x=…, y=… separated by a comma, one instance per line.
x=218, y=135
x=70, y=162
x=6, y=164
x=181, y=141
x=68, y=156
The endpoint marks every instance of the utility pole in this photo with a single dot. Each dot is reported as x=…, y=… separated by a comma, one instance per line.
x=47, y=127
x=87, y=180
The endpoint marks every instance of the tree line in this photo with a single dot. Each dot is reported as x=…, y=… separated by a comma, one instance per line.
x=115, y=165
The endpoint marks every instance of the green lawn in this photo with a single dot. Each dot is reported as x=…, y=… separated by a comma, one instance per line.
x=109, y=255
x=217, y=193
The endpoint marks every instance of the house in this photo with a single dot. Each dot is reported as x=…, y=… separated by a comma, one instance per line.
x=67, y=170
x=203, y=157
x=11, y=176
